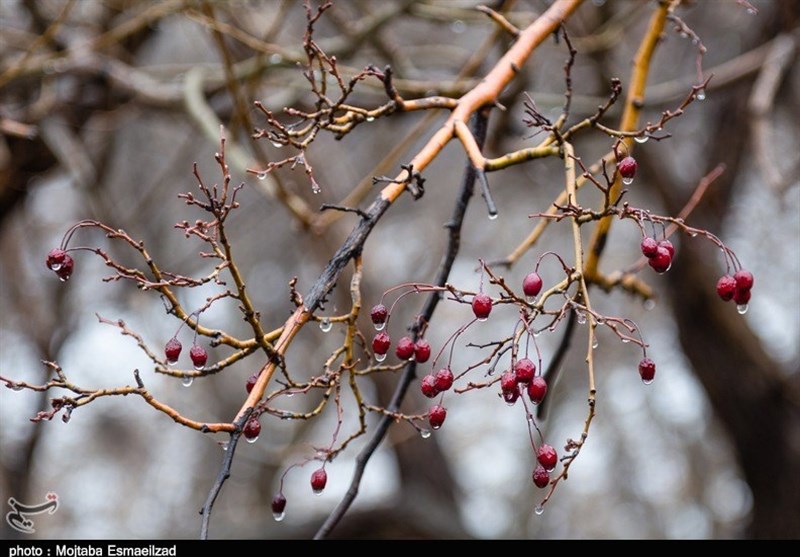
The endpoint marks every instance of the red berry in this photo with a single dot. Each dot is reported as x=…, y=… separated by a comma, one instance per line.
x=627, y=168
x=647, y=370
x=55, y=259
x=444, y=379
x=524, y=370
x=405, y=348
x=428, y=386
x=744, y=279
x=173, y=350
x=481, y=306
x=726, y=286
x=532, y=284
x=436, y=416
x=649, y=247
x=422, y=351
x=252, y=428
x=251, y=382
x=318, y=480
x=741, y=297
x=379, y=314
x=537, y=389
x=66, y=268
x=541, y=477
x=278, y=506
x=199, y=356
x=547, y=457
x=666, y=244
x=381, y=343
x=508, y=382
x=661, y=261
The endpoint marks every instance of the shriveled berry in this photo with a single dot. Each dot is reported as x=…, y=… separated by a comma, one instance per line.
x=744, y=279
x=667, y=245
x=436, y=416
x=537, y=389
x=428, y=386
x=508, y=382
x=422, y=351
x=532, y=284
x=444, y=379
x=481, y=305
x=172, y=350
x=647, y=369
x=66, y=268
x=405, y=348
x=278, y=504
x=726, y=286
x=627, y=167
x=741, y=297
x=379, y=314
x=524, y=370
x=541, y=477
x=55, y=259
x=319, y=478
x=381, y=343
x=661, y=261
x=251, y=382
x=547, y=457
x=252, y=428
x=649, y=247
x=198, y=355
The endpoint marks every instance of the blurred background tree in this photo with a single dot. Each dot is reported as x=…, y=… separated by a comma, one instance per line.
x=104, y=105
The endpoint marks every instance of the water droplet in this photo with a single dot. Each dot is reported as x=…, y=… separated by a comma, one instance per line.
x=595, y=343
x=55, y=266
x=693, y=234
x=315, y=189
x=261, y=175
x=751, y=11
x=172, y=362
x=581, y=318
x=16, y=387
x=458, y=26
x=536, y=333
x=65, y=418
x=436, y=426
x=251, y=440
x=317, y=492
x=483, y=319
x=492, y=216
x=224, y=445
x=742, y=309
x=325, y=325
x=511, y=402
x=530, y=418
x=625, y=340
x=380, y=357
x=290, y=394
x=649, y=305
x=425, y=433
x=700, y=95
x=276, y=144
x=63, y=279
x=200, y=367
x=627, y=181
x=530, y=299
x=601, y=321
x=598, y=3
x=279, y=516
x=647, y=381
x=187, y=381
x=641, y=138
x=275, y=58
x=380, y=326
x=539, y=510
x=370, y=118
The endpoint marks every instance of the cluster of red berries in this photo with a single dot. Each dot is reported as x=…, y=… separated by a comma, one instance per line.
x=198, y=354
x=659, y=254
x=406, y=348
x=736, y=287
x=61, y=263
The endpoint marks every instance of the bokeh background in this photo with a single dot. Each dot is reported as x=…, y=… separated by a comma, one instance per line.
x=103, y=115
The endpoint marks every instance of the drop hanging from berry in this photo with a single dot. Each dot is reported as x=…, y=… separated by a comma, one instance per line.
x=627, y=169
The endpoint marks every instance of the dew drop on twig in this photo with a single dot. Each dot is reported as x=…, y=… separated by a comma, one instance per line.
x=187, y=381
x=325, y=325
